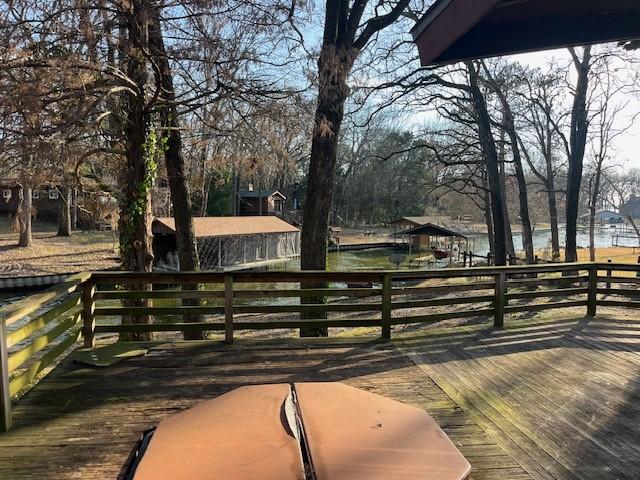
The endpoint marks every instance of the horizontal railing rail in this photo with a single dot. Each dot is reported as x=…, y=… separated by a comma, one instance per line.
x=37, y=331
x=34, y=333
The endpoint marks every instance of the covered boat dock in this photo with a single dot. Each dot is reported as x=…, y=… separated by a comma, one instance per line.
x=229, y=243
x=440, y=241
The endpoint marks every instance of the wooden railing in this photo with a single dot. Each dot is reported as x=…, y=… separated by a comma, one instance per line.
x=36, y=331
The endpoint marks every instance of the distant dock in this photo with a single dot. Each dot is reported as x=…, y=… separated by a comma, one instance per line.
x=364, y=246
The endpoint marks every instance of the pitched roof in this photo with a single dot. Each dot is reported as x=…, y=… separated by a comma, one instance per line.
x=416, y=220
x=256, y=193
x=455, y=30
x=433, y=230
x=610, y=213
x=228, y=226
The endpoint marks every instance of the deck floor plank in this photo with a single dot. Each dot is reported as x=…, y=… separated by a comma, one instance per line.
x=544, y=399
x=82, y=423
x=558, y=396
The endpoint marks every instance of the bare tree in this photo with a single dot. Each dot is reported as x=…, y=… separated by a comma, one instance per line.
x=543, y=120
x=576, y=148
x=509, y=124
x=605, y=113
x=345, y=36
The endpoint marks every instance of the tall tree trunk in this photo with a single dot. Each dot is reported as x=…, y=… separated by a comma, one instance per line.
x=577, y=145
x=136, y=248
x=490, y=155
x=592, y=230
x=64, y=212
x=24, y=217
x=486, y=197
x=235, y=179
x=333, y=68
x=508, y=233
x=525, y=221
x=343, y=39
x=594, y=192
x=508, y=123
x=174, y=160
x=553, y=212
x=550, y=185
x=74, y=209
x=205, y=196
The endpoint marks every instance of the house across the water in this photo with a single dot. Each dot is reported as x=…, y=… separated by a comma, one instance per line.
x=261, y=202
x=229, y=243
x=631, y=207
x=604, y=217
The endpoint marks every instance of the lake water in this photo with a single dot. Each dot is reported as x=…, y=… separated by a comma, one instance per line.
x=379, y=258
x=542, y=239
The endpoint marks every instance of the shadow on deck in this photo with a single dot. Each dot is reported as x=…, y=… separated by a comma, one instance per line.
x=540, y=400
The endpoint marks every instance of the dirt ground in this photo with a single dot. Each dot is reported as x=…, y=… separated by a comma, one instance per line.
x=50, y=254
x=615, y=254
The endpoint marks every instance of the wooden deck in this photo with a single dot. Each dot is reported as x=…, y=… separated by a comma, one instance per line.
x=539, y=400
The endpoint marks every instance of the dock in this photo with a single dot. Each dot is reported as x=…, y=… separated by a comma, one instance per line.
x=350, y=247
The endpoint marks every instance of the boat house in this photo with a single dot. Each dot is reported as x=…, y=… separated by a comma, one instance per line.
x=441, y=241
x=405, y=223
x=229, y=243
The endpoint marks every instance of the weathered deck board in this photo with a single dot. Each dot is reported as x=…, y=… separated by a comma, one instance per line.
x=539, y=400
x=562, y=398
x=82, y=422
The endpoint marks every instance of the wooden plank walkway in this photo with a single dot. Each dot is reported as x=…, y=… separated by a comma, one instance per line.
x=82, y=423
x=561, y=397
x=551, y=400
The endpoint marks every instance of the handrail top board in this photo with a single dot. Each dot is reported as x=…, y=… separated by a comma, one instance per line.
x=323, y=275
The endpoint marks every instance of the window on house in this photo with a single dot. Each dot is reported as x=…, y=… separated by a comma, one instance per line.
x=35, y=194
x=53, y=194
x=6, y=193
x=278, y=205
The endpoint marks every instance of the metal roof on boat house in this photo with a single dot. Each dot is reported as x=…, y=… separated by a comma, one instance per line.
x=227, y=226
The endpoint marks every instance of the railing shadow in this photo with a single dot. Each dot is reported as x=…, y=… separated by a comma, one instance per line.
x=592, y=333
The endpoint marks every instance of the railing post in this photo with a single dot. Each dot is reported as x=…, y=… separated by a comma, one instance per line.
x=228, y=308
x=5, y=397
x=88, y=315
x=501, y=287
x=386, y=306
x=608, y=275
x=592, y=302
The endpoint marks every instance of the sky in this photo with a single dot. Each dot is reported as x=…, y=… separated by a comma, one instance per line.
x=627, y=146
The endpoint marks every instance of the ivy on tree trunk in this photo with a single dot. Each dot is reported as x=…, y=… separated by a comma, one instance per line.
x=136, y=249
